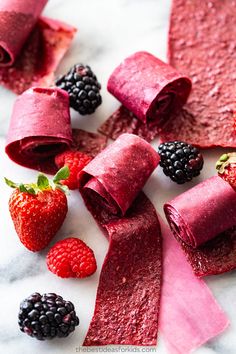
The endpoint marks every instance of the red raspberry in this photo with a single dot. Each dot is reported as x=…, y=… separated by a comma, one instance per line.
x=71, y=258
x=76, y=161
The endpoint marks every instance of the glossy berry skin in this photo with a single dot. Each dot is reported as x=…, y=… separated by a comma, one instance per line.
x=180, y=161
x=47, y=316
x=71, y=258
x=83, y=88
x=37, y=218
x=76, y=161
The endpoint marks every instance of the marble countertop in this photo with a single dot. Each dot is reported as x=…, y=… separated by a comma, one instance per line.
x=108, y=32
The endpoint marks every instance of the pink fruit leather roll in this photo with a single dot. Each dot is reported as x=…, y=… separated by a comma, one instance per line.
x=115, y=177
x=17, y=20
x=203, y=212
x=40, y=126
x=148, y=87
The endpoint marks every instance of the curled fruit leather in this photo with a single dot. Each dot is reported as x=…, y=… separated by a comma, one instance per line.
x=149, y=91
x=116, y=176
x=40, y=128
x=30, y=47
x=208, y=118
x=203, y=219
x=132, y=275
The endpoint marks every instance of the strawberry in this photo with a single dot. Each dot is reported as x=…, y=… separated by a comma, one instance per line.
x=226, y=167
x=76, y=161
x=38, y=209
x=71, y=258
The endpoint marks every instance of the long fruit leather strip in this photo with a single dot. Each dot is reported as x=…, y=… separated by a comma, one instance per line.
x=127, y=303
x=202, y=45
x=189, y=314
x=128, y=296
x=203, y=219
x=40, y=128
x=30, y=47
x=116, y=176
x=150, y=90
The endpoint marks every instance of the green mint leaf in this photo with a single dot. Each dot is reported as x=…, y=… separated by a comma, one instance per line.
x=63, y=173
x=42, y=182
x=10, y=183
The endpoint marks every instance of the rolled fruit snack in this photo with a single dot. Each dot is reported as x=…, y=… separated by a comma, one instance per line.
x=116, y=176
x=30, y=47
x=128, y=296
x=40, y=128
x=149, y=91
x=203, y=219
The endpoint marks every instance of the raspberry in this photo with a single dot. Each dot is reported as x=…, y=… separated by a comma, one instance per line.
x=71, y=258
x=76, y=161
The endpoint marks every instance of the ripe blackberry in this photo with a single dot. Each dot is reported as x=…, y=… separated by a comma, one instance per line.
x=47, y=316
x=180, y=161
x=82, y=87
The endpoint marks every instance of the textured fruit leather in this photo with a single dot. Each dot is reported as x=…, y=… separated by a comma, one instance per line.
x=40, y=128
x=203, y=220
x=117, y=175
x=149, y=90
x=202, y=46
x=130, y=284
x=30, y=47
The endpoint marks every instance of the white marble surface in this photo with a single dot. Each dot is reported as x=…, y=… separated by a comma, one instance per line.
x=108, y=32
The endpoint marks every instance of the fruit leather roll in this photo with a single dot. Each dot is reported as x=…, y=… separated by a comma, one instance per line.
x=40, y=126
x=203, y=219
x=116, y=176
x=17, y=19
x=148, y=87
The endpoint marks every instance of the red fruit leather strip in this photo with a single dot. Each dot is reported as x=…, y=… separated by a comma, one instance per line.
x=17, y=20
x=207, y=119
x=149, y=90
x=203, y=220
x=87, y=142
x=128, y=295
x=118, y=174
x=40, y=56
x=189, y=314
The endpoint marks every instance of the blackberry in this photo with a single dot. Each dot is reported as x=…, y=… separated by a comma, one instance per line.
x=47, y=316
x=82, y=87
x=180, y=161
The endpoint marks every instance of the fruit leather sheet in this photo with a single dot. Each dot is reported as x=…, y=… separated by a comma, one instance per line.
x=40, y=128
x=203, y=219
x=149, y=89
x=202, y=45
x=117, y=175
x=189, y=314
x=30, y=47
x=128, y=296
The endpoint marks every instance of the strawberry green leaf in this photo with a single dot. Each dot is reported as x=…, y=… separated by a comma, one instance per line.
x=63, y=188
x=10, y=183
x=42, y=182
x=62, y=174
x=22, y=188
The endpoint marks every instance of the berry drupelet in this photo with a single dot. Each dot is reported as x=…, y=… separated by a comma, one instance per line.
x=47, y=316
x=82, y=87
x=180, y=161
